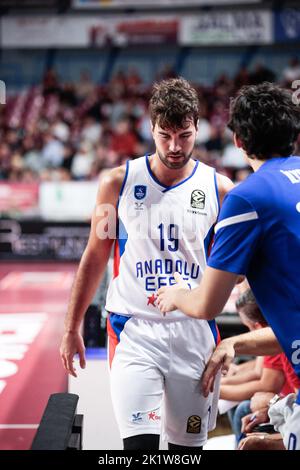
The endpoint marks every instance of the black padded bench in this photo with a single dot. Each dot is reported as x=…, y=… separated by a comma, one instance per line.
x=60, y=427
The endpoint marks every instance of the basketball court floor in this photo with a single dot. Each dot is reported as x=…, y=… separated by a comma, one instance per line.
x=33, y=304
x=33, y=299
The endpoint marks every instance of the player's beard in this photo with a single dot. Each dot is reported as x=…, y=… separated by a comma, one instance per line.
x=174, y=164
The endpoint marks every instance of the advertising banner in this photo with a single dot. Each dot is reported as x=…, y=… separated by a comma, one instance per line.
x=92, y=30
x=42, y=31
x=287, y=25
x=19, y=199
x=227, y=28
x=107, y=4
x=68, y=200
x=37, y=240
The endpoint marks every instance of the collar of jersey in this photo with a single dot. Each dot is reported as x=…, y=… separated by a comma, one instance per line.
x=167, y=188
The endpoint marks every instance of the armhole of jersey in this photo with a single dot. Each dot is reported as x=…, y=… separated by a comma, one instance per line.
x=217, y=191
x=124, y=183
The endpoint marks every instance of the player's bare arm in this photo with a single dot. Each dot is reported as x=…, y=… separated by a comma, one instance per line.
x=224, y=185
x=258, y=343
x=92, y=265
x=201, y=302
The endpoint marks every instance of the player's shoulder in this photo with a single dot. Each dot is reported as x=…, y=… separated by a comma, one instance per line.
x=224, y=185
x=113, y=177
x=110, y=184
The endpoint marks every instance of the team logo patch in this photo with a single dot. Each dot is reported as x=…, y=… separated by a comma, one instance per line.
x=193, y=425
x=140, y=191
x=198, y=199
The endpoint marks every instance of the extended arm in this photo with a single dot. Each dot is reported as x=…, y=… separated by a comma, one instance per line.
x=247, y=374
x=205, y=301
x=92, y=266
x=272, y=380
x=259, y=342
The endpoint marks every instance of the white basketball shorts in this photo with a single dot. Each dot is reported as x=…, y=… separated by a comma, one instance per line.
x=156, y=367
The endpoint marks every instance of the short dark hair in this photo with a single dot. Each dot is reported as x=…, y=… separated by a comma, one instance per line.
x=266, y=120
x=173, y=101
x=246, y=304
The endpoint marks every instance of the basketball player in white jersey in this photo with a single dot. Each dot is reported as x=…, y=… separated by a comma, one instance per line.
x=163, y=208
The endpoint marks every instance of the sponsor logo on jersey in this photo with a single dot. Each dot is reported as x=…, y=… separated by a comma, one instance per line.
x=193, y=425
x=151, y=300
x=136, y=417
x=139, y=206
x=140, y=191
x=152, y=416
x=198, y=199
x=193, y=211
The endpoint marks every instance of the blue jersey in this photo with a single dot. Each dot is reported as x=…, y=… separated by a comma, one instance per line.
x=258, y=235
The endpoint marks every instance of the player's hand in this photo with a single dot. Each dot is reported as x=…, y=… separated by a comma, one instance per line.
x=166, y=296
x=71, y=344
x=253, y=419
x=221, y=358
x=260, y=400
x=255, y=441
x=233, y=370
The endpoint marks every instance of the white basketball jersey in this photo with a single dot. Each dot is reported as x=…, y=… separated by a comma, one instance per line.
x=161, y=230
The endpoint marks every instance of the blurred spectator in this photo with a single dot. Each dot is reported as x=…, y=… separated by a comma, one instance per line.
x=52, y=151
x=292, y=72
x=105, y=157
x=242, y=78
x=50, y=82
x=84, y=87
x=233, y=157
x=16, y=167
x=144, y=128
x=261, y=74
x=133, y=80
x=60, y=129
x=204, y=131
x=124, y=141
x=5, y=156
x=32, y=155
x=91, y=131
x=68, y=157
x=82, y=161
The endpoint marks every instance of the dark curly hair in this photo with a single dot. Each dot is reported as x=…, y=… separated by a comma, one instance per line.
x=172, y=102
x=266, y=120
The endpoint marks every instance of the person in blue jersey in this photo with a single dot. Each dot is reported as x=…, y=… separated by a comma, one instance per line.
x=257, y=235
x=163, y=209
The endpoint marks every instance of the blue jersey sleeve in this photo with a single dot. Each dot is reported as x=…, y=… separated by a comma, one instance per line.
x=237, y=235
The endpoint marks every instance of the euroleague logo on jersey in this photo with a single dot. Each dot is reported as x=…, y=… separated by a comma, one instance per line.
x=198, y=199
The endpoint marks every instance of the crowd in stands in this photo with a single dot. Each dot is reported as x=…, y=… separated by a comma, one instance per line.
x=72, y=131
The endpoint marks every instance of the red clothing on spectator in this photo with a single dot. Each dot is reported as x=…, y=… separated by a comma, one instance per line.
x=124, y=145
x=291, y=377
x=280, y=362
